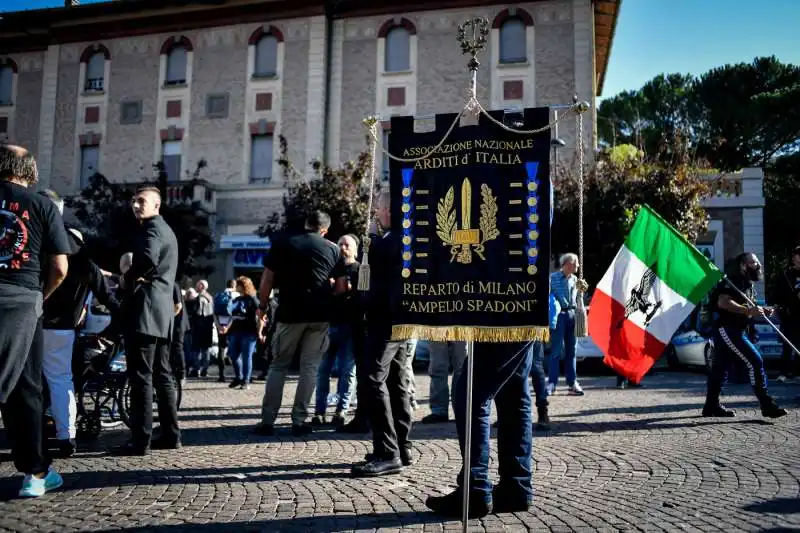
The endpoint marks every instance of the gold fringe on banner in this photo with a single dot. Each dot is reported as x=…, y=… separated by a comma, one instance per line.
x=471, y=333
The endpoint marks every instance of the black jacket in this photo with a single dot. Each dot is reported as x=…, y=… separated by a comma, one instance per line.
x=64, y=308
x=149, y=305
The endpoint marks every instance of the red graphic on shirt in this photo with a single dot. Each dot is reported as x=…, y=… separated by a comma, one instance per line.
x=13, y=239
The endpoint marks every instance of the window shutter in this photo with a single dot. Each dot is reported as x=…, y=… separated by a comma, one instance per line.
x=6, y=80
x=512, y=42
x=266, y=56
x=398, y=50
x=89, y=164
x=176, y=66
x=261, y=159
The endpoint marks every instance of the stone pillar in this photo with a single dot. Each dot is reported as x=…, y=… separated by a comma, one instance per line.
x=334, y=126
x=47, y=118
x=582, y=17
x=317, y=68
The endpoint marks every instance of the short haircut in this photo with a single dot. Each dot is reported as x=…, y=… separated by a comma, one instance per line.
x=231, y=284
x=53, y=196
x=204, y=283
x=318, y=220
x=567, y=258
x=355, y=239
x=17, y=163
x=351, y=238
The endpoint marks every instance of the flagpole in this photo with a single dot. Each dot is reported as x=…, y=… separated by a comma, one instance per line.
x=470, y=349
x=770, y=322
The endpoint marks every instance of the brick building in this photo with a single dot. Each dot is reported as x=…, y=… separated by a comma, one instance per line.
x=115, y=86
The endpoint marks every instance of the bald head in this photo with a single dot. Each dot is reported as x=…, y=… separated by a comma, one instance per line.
x=18, y=165
x=146, y=203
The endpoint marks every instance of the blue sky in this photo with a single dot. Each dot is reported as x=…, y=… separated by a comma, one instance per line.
x=693, y=36
x=665, y=36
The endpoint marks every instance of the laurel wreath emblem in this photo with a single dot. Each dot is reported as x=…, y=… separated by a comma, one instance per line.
x=488, y=222
x=446, y=217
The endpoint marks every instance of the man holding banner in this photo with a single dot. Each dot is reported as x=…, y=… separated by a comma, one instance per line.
x=472, y=266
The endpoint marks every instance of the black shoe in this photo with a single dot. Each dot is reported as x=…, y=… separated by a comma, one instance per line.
x=354, y=427
x=162, y=444
x=378, y=467
x=66, y=448
x=129, y=449
x=204, y=373
x=405, y=458
x=264, y=430
x=717, y=411
x=543, y=421
x=235, y=383
x=301, y=430
x=507, y=502
x=770, y=409
x=221, y=379
x=435, y=419
x=451, y=505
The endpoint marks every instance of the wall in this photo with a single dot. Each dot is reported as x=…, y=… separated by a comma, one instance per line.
x=63, y=177
x=28, y=99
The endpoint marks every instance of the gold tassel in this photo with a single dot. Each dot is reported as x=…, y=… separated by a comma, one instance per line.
x=363, y=268
x=471, y=333
x=581, y=320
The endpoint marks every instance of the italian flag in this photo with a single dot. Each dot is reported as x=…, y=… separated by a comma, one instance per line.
x=656, y=280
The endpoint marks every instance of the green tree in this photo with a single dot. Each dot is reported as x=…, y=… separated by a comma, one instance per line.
x=782, y=230
x=748, y=113
x=613, y=192
x=650, y=118
x=106, y=219
x=343, y=192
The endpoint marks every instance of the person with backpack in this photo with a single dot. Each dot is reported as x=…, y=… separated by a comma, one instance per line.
x=222, y=301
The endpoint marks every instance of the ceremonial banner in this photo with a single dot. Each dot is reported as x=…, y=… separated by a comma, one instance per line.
x=475, y=224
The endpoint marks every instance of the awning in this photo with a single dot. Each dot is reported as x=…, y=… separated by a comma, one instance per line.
x=246, y=242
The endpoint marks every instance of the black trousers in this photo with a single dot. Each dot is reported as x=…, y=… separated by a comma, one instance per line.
x=148, y=366
x=359, y=354
x=790, y=326
x=22, y=412
x=387, y=389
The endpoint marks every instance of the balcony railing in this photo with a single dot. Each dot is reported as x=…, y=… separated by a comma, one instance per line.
x=94, y=85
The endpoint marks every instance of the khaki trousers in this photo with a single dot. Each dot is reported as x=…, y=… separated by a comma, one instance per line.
x=311, y=338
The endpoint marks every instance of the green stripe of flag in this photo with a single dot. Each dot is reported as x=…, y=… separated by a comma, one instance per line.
x=673, y=258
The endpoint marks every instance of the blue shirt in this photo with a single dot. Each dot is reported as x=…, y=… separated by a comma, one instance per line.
x=564, y=290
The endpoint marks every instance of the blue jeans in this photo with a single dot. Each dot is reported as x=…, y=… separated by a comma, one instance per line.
x=563, y=341
x=537, y=374
x=501, y=374
x=241, y=347
x=341, y=353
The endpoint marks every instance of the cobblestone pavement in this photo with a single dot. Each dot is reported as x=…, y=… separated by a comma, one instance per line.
x=616, y=460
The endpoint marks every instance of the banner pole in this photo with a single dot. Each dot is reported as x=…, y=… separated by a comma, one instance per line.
x=770, y=322
x=470, y=349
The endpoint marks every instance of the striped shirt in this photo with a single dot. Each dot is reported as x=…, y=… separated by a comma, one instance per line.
x=563, y=289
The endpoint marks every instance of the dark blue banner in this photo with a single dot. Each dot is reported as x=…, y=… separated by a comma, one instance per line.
x=475, y=223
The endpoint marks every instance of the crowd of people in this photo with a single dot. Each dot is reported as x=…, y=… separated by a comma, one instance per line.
x=307, y=306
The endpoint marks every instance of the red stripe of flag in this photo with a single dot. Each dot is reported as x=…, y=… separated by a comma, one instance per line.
x=629, y=350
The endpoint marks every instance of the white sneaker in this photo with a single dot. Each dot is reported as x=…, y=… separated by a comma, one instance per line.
x=782, y=379
x=551, y=389
x=576, y=390
x=33, y=487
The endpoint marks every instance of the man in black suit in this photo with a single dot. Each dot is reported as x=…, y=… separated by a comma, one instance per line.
x=149, y=314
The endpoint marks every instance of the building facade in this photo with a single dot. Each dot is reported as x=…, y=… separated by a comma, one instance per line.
x=114, y=87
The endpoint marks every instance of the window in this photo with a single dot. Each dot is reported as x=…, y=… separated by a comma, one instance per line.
x=89, y=164
x=171, y=158
x=261, y=159
x=398, y=50
x=217, y=106
x=266, y=57
x=131, y=112
x=6, y=82
x=386, y=163
x=512, y=42
x=176, y=66
x=95, y=72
